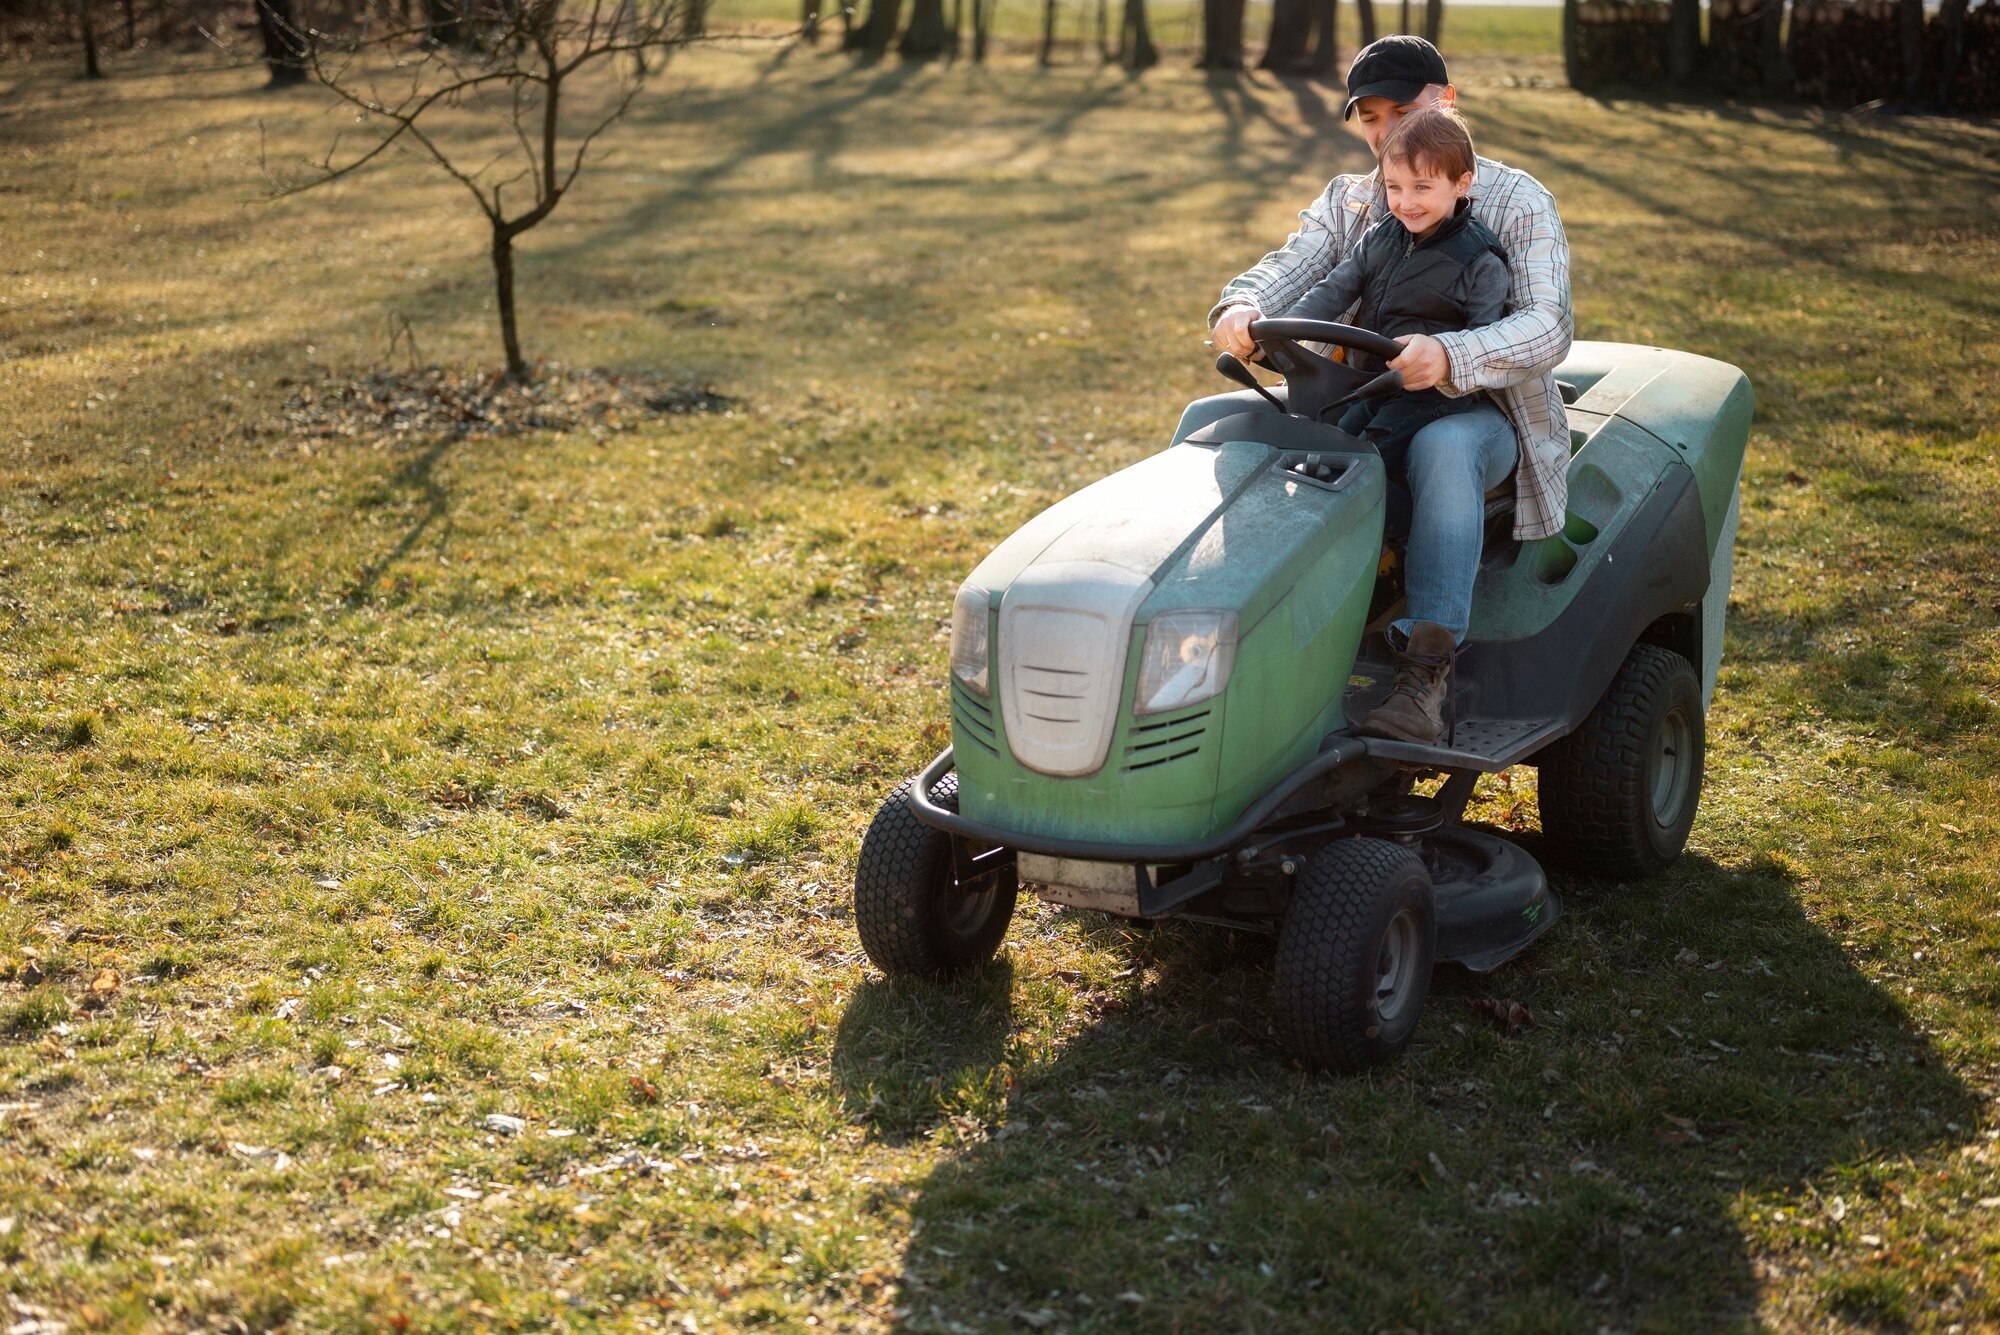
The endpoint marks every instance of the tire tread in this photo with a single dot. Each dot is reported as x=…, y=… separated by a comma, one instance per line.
x=1328, y=935
x=900, y=858
x=1593, y=798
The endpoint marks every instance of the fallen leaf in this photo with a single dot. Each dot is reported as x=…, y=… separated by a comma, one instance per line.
x=106, y=982
x=1506, y=1016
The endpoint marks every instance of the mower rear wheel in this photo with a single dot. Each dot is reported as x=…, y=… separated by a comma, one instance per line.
x=1355, y=955
x=1618, y=795
x=914, y=919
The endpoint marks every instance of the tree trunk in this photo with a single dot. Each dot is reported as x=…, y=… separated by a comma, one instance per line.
x=982, y=11
x=1774, y=72
x=1291, y=27
x=1104, y=52
x=694, y=18
x=1684, y=41
x=1221, y=35
x=444, y=23
x=925, y=37
x=1910, y=39
x=1048, y=50
x=131, y=25
x=503, y=291
x=875, y=32
x=1324, y=62
x=284, y=42
x=1135, y=39
x=1572, y=55
x=809, y=22
x=1364, y=18
x=1951, y=54
x=1433, y=21
x=1404, y=26
x=89, y=36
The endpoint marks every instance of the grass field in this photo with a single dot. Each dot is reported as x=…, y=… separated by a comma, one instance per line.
x=356, y=789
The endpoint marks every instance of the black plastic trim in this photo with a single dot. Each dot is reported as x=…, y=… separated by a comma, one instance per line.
x=1656, y=566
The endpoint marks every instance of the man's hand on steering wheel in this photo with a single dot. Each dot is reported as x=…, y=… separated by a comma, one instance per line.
x=1424, y=363
x=1232, y=332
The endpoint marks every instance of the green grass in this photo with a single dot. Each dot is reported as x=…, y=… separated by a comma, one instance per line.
x=404, y=783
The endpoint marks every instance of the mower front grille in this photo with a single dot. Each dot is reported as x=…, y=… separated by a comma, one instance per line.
x=972, y=720
x=1059, y=654
x=1165, y=740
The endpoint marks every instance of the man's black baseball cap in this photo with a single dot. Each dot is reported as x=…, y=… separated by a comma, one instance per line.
x=1398, y=68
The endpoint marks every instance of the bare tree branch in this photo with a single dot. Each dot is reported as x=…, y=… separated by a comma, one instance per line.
x=441, y=88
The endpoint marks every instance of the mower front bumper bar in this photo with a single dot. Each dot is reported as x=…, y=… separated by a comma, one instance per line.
x=1342, y=751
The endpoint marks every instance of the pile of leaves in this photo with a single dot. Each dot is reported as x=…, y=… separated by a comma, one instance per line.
x=435, y=402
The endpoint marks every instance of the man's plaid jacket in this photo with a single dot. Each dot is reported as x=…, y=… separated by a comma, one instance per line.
x=1515, y=357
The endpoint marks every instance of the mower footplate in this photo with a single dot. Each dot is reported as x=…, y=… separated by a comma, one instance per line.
x=1485, y=745
x=1492, y=898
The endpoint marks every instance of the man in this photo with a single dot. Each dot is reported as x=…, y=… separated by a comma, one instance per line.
x=1453, y=462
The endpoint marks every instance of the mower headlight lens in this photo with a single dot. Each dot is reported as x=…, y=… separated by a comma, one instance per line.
x=970, y=617
x=1188, y=657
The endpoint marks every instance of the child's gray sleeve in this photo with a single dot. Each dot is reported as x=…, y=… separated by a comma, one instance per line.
x=1332, y=295
x=1486, y=285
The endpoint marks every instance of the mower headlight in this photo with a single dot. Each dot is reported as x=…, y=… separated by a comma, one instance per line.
x=1188, y=657
x=971, y=615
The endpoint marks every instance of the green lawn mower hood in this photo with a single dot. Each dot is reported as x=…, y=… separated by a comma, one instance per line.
x=1143, y=660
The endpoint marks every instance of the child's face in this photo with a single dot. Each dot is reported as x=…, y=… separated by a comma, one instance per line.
x=1421, y=196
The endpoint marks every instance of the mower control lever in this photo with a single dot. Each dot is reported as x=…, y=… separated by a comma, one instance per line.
x=1231, y=368
x=1389, y=382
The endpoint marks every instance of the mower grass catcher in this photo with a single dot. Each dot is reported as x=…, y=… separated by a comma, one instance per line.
x=1152, y=686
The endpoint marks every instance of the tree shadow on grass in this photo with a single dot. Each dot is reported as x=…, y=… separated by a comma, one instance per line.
x=418, y=472
x=1700, y=1050
x=1741, y=204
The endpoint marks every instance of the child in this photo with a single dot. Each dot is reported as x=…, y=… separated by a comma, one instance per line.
x=1430, y=267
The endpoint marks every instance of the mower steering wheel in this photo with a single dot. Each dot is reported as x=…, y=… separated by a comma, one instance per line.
x=1314, y=383
x=1324, y=331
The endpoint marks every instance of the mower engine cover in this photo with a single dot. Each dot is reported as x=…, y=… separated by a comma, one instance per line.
x=1146, y=658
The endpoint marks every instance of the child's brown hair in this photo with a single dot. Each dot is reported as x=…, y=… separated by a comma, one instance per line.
x=1431, y=140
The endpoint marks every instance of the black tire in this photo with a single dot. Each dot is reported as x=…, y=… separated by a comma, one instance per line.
x=913, y=919
x=1619, y=795
x=1355, y=955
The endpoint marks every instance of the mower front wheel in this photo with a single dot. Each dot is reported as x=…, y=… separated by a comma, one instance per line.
x=914, y=918
x=1355, y=955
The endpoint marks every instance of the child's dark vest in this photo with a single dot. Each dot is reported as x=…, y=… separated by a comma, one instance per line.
x=1412, y=284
